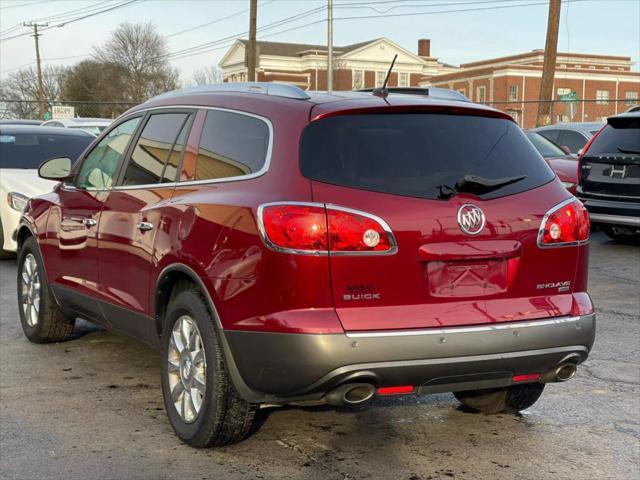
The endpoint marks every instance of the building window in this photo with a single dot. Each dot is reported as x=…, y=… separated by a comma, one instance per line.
x=403, y=79
x=563, y=65
x=607, y=68
x=358, y=79
x=602, y=97
x=592, y=67
x=380, y=77
x=631, y=97
x=481, y=94
x=513, y=93
x=463, y=91
x=562, y=118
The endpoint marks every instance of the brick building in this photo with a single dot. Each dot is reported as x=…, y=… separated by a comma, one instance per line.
x=358, y=65
x=513, y=83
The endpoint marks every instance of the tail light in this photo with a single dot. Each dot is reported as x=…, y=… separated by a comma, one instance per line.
x=315, y=229
x=583, y=152
x=565, y=224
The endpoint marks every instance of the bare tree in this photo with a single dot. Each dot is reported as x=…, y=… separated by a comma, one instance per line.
x=207, y=75
x=141, y=52
x=19, y=92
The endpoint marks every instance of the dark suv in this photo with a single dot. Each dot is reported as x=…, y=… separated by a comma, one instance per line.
x=283, y=247
x=609, y=177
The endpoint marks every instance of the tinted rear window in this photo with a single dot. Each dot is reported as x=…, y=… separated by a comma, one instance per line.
x=418, y=154
x=625, y=136
x=29, y=150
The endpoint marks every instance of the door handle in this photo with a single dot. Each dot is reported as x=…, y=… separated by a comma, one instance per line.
x=144, y=226
x=89, y=222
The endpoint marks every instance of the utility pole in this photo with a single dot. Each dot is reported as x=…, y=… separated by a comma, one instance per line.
x=329, y=46
x=35, y=26
x=549, y=65
x=251, y=48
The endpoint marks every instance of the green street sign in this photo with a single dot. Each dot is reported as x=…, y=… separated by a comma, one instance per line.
x=569, y=97
x=46, y=116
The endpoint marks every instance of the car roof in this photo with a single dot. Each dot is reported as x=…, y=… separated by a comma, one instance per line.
x=87, y=122
x=20, y=122
x=572, y=126
x=37, y=129
x=257, y=94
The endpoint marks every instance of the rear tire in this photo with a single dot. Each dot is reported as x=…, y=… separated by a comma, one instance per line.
x=40, y=317
x=510, y=399
x=621, y=234
x=213, y=414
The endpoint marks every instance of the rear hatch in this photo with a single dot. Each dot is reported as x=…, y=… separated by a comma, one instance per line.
x=408, y=168
x=611, y=165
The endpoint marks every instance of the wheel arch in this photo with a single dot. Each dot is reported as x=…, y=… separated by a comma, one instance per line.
x=164, y=285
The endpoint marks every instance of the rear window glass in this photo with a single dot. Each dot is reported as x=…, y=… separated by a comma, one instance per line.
x=420, y=155
x=29, y=150
x=624, y=139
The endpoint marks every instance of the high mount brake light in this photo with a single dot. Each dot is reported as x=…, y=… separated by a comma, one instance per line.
x=314, y=228
x=565, y=224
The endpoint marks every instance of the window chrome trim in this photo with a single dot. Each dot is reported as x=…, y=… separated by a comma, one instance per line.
x=267, y=161
x=544, y=221
x=481, y=328
x=385, y=226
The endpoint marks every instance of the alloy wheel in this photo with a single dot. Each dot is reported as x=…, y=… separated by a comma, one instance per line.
x=187, y=368
x=30, y=290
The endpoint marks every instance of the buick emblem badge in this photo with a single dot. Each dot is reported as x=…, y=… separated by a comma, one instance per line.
x=471, y=219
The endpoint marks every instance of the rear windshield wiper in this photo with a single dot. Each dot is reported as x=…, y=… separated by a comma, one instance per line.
x=629, y=150
x=476, y=184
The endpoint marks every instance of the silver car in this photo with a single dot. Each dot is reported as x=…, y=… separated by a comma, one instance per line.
x=94, y=126
x=572, y=135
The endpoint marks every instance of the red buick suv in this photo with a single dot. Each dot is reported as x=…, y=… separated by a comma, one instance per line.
x=286, y=247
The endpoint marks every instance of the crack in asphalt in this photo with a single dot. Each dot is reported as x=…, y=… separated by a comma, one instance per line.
x=590, y=373
x=292, y=445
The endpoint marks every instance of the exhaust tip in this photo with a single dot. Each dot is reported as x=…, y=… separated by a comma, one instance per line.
x=566, y=372
x=358, y=394
x=350, y=394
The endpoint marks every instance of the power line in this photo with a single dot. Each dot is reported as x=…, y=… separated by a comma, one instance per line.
x=77, y=19
x=29, y=4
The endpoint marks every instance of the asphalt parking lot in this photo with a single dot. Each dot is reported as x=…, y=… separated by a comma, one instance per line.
x=92, y=408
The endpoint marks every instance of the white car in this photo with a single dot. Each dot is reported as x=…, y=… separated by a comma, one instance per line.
x=22, y=150
x=94, y=126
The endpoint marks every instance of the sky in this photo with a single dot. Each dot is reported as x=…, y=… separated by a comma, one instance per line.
x=489, y=28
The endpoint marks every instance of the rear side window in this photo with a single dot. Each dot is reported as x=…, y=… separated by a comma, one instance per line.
x=621, y=137
x=232, y=145
x=420, y=155
x=156, y=155
x=29, y=150
x=573, y=140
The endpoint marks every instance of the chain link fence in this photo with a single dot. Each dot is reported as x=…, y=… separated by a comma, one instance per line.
x=525, y=112
x=30, y=109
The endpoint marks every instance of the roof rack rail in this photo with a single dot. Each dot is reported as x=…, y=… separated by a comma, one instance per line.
x=265, y=88
x=443, y=93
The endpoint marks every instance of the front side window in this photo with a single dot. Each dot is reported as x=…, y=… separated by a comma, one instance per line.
x=99, y=167
x=156, y=155
x=573, y=140
x=231, y=145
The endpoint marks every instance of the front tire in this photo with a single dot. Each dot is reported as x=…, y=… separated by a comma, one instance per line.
x=40, y=317
x=510, y=399
x=202, y=404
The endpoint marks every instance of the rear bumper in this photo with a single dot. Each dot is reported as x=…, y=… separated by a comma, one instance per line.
x=282, y=367
x=612, y=212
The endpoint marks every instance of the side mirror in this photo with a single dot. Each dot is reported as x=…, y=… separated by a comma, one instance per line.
x=565, y=149
x=58, y=168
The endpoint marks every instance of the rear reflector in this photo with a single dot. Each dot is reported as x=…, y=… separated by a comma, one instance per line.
x=526, y=377
x=313, y=228
x=565, y=224
x=399, y=390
